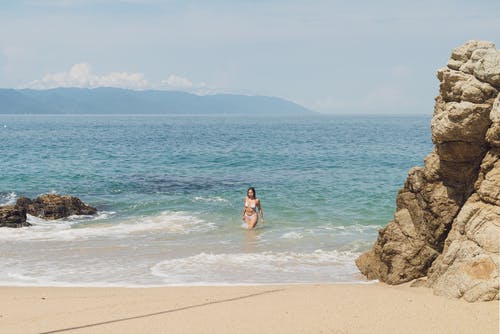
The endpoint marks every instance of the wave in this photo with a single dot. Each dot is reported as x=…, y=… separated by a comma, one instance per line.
x=346, y=229
x=210, y=199
x=8, y=198
x=266, y=267
x=12, y=278
x=86, y=227
x=327, y=231
x=270, y=267
x=292, y=235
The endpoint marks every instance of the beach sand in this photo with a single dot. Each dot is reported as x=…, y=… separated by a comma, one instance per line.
x=336, y=308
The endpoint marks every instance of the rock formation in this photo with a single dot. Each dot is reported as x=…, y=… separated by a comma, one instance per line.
x=447, y=221
x=10, y=216
x=49, y=206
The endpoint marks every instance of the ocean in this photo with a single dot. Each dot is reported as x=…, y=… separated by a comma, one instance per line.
x=170, y=189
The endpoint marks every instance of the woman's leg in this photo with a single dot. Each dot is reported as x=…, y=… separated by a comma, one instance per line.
x=252, y=221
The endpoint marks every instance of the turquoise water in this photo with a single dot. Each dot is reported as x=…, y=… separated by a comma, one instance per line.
x=169, y=190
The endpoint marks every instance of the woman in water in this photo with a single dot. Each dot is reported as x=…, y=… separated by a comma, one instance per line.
x=250, y=215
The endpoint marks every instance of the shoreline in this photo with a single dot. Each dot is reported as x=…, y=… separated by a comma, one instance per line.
x=183, y=285
x=282, y=308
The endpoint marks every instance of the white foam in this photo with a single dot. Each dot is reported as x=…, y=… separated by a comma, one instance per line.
x=101, y=215
x=20, y=277
x=8, y=199
x=268, y=267
x=167, y=221
x=201, y=269
x=13, y=275
x=349, y=229
x=292, y=235
x=85, y=227
x=210, y=199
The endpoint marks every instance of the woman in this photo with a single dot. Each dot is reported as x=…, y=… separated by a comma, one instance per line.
x=250, y=213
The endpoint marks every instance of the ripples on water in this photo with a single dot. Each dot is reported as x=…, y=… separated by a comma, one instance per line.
x=170, y=190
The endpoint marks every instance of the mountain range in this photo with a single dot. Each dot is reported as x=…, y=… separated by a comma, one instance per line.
x=106, y=100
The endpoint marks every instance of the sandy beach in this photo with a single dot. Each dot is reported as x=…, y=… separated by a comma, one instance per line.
x=338, y=308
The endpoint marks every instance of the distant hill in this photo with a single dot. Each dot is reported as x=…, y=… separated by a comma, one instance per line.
x=123, y=101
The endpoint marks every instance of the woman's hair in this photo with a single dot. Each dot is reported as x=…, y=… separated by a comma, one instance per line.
x=254, y=193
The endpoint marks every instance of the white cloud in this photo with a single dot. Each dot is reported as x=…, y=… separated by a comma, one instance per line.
x=80, y=75
x=175, y=81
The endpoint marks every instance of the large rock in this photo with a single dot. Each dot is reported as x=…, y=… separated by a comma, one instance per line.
x=468, y=266
x=406, y=247
x=487, y=68
x=461, y=55
x=493, y=133
x=52, y=206
x=447, y=222
x=10, y=216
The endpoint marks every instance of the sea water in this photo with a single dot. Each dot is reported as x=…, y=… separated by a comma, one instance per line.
x=170, y=189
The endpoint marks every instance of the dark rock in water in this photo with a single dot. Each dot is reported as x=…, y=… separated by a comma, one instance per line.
x=51, y=206
x=23, y=202
x=12, y=216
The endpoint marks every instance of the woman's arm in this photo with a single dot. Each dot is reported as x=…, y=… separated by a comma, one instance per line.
x=260, y=212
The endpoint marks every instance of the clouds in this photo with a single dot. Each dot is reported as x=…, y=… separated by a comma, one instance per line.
x=176, y=81
x=80, y=75
x=329, y=55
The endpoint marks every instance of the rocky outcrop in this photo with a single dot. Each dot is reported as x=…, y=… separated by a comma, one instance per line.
x=10, y=216
x=49, y=206
x=447, y=221
x=469, y=264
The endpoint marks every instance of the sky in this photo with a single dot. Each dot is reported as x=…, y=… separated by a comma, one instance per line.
x=338, y=57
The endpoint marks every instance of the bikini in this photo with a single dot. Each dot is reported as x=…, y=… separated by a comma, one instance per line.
x=252, y=206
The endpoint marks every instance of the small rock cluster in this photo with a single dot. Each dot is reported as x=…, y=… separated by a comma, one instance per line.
x=49, y=206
